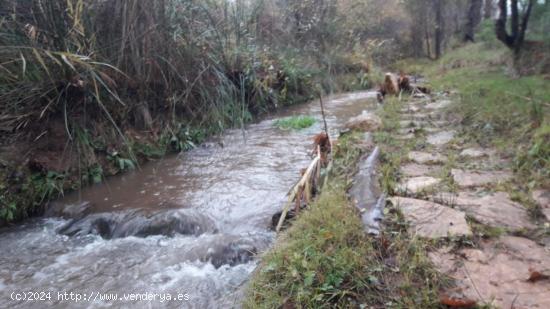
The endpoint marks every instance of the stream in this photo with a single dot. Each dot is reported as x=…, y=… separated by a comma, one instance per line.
x=187, y=226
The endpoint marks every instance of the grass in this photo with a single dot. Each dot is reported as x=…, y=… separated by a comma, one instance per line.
x=295, y=122
x=497, y=109
x=393, y=151
x=325, y=259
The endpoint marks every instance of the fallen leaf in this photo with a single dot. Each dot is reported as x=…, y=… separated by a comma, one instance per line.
x=457, y=302
x=535, y=276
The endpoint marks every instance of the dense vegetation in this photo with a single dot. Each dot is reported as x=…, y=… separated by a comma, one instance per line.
x=93, y=88
x=325, y=260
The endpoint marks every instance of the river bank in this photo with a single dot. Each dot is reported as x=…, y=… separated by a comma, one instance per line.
x=465, y=202
x=325, y=259
x=190, y=223
x=92, y=89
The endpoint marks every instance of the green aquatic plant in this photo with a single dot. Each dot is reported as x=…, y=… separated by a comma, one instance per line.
x=295, y=122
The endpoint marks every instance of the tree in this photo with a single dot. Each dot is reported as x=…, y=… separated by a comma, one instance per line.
x=488, y=9
x=420, y=17
x=474, y=18
x=439, y=27
x=516, y=38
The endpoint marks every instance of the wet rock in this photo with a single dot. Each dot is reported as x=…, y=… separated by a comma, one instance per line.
x=166, y=223
x=228, y=249
x=441, y=138
x=431, y=220
x=140, y=224
x=417, y=184
x=496, y=274
x=364, y=122
x=291, y=214
x=68, y=211
x=233, y=253
x=495, y=209
x=475, y=153
x=542, y=198
x=467, y=179
x=415, y=170
x=95, y=224
x=426, y=157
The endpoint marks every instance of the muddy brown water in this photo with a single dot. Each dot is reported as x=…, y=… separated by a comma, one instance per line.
x=188, y=224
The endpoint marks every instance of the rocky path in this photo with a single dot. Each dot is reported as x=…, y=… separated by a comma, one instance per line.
x=459, y=194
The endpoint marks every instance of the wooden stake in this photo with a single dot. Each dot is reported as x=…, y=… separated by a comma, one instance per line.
x=325, y=121
x=303, y=184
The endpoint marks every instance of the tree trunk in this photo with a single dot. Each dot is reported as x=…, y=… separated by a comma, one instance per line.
x=474, y=18
x=439, y=28
x=488, y=10
x=428, y=45
x=417, y=42
x=516, y=38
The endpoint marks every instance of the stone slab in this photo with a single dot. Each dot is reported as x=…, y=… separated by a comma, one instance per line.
x=415, y=170
x=496, y=274
x=494, y=209
x=466, y=179
x=476, y=153
x=417, y=184
x=431, y=220
x=426, y=157
x=441, y=138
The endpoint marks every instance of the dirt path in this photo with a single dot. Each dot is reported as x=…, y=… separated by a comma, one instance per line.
x=453, y=189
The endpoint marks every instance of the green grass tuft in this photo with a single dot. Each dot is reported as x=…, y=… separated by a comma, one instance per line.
x=295, y=122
